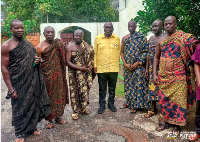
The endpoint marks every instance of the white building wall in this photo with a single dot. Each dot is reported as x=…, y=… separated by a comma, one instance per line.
x=94, y=28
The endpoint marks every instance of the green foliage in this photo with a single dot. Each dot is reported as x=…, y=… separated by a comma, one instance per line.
x=187, y=13
x=119, y=90
x=65, y=11
x=29, y=25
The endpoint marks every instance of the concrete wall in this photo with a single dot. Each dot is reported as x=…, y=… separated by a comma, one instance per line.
x=127, y=10
x=94, y=28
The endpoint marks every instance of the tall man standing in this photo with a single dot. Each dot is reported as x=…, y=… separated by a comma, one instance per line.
x=156, y=26
x=79, y=58
x=175, y=77
x=106, y=65
x=54, y=69
x=25, y=82
x=133, y=54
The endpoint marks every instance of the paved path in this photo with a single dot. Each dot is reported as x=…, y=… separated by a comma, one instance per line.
x=120, y=126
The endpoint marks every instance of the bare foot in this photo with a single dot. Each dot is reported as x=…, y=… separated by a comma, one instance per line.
x=19, y=140
x=37, y=132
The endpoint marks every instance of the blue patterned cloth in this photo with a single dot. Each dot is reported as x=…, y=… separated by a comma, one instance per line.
x=135, y=83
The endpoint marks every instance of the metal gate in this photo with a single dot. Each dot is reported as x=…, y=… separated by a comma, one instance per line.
x=66, y=37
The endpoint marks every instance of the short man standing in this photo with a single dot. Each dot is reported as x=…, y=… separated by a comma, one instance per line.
x=54, y=69
x=156, y=26
x=25, y=82
x=79, y=58
x=175, y=77
x=133, y=54
x=106, y=64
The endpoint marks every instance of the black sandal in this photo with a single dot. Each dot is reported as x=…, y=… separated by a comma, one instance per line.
x=162, y=127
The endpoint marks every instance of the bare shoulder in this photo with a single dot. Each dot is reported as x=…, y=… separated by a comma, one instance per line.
x=161, y=39
x=40, y=44
x=6, y=46
x=70, y=46
x=126, y=36
x=152, y=38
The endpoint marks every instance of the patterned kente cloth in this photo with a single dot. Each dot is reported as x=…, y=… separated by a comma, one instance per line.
x=177, y=87
x=80, y=82
x=153, y=88
x=54, y=70
x=135, y=83
x=32, y=103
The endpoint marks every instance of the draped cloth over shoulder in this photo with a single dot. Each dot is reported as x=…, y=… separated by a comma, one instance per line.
x=135, y=83
x=32, y=103
x=177, y=86
x=54, y=70
x=80, y=82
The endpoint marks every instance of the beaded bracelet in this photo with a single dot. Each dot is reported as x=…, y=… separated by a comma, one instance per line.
x=9, y=94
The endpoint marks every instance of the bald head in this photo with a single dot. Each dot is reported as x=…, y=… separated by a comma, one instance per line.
x=157, y=26
x=48, y=28
x=79, y=31
x=14, y=21
x=132, y=26
x=158, y=21
x=49, y=33
x=173, y=18
x=170, y=25
x=78, y=36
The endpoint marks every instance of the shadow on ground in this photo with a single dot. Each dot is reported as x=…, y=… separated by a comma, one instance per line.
x=120, y=126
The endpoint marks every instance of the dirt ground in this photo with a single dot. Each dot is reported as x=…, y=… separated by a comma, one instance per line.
x=120, y=126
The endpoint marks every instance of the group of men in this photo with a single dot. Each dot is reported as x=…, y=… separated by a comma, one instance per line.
x=155, y=70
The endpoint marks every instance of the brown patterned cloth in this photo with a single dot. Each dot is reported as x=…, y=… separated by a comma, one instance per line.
x=80, y=82
x=32, y=103
x=54, y=70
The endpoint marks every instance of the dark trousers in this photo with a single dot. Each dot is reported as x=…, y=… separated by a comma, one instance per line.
x=109, y=78
x=197, y=118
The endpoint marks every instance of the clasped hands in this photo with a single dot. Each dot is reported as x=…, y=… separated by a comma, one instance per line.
x=86, y=68
x=131, y=67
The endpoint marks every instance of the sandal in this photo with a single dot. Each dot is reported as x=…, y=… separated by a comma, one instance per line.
x=150, y=114
x=60, y=121
x=85, y=111
x=37, y=132
x=75, y=116
x=19, y=140
x=49, y=125
x=133, y=111
x=124, y=106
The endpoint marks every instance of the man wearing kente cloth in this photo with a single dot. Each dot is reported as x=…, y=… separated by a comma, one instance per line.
x=175, y=77
x=79, y=58
x=25, y=82
x=133, y=54
x=156, y=26
x=52, y=53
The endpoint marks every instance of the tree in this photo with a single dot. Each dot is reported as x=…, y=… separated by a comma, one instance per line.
x=187, y=13
x=65, y=11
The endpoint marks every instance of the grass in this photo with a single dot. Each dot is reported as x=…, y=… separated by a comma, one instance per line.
x=119, y=92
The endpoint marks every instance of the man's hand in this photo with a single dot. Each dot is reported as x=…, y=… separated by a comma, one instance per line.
x=135, y=65
x=95, y=70
x=155, y=79
x=127, y=66
x=14, y=95
x=85, y=69
x=38, y=60
x=89, y=67
x=147, y=74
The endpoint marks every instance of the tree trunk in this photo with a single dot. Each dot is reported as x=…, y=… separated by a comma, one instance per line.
x=47, y=16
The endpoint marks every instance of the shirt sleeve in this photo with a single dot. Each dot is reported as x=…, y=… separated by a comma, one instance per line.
x=196, y=56
x=143, y=54
x=95, y=53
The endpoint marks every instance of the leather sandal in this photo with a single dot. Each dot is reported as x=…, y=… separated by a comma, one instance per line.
x=75, y=116
x=60, y=121
x=85, y=111
x=162, y=127
x=133, y=111
x=49, y=125
x=150, y=114
x=37, y=132
x=124, y=106
x=19, y=140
